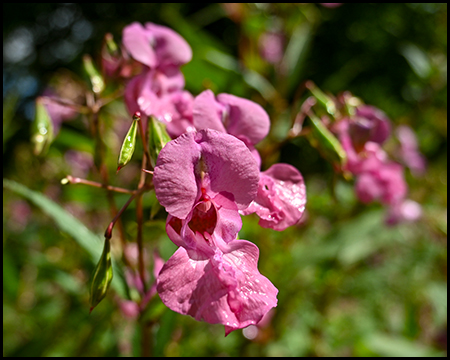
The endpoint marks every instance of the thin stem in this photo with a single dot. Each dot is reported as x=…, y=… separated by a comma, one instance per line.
x=67, y=103
x=76, y=180
x=143, y=133
x=108, y=232
x=139, y=219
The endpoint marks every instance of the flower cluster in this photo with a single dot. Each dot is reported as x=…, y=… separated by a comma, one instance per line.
x=378, y=178
x=206, y=178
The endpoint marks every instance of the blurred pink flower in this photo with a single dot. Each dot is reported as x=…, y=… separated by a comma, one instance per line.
x=271, y=47
x=377, y=178
x=80, y=162
x=156, y=46
x=368, y=124
x=161, y=95
x=406, y=210
x=409, y=152
x=129, y=309
x=57, y=110
x=385, y=184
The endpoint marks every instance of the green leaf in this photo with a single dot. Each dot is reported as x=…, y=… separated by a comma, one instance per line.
x=66, y=223
x=327, y=144
x=394, y=346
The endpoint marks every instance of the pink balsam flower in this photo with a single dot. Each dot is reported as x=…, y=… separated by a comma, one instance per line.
x=409, y=152
x=155, y=46
x=158, y=90
x=203, y=179
x=161, y=95
x=227, y=113
x=281, y=197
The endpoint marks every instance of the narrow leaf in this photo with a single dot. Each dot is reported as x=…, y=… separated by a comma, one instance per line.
x=327, y=144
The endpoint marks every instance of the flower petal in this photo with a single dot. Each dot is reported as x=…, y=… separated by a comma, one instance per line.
x=246, y=119
x=281, y=197
x=207, y=112
x=170, y=47
x=174, y=178
x=137, y=41
x=229, y=166
x=227, y=289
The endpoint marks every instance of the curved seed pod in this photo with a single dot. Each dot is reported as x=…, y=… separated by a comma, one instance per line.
x=327, y=144
x=129, y=143
x=42, y=128
x=102, y=277
x=158, y=138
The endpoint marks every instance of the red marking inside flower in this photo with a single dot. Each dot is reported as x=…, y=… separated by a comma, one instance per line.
x=176, y=224
x=204, y=218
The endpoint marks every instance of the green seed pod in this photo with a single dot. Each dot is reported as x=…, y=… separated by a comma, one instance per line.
x=42, y=128
x=322, y=98
x=129, y=143
x=102, y=276
x=97, y=82
x=158, y=138
x=327, y=144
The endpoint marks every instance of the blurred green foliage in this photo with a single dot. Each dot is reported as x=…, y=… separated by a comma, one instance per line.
x=348, y=285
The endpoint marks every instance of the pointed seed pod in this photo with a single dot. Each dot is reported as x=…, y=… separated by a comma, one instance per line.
x=42, y=128
x=97, y=82
x=129, y=143
x=102, y=276
x=158, y=138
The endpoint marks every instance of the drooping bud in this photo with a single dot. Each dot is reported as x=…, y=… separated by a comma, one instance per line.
x=97, y=82
x=102, y=276
x=158, y=138
x=129, y=143
x=42, y=128
x=327, y=144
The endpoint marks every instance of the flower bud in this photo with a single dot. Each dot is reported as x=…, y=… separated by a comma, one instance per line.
x=129, y=143
x=98, y=85
x=158, y=138
x=102, y=277
x=42, y=128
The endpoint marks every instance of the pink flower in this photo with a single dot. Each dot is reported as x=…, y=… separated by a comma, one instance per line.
x=156, y=46
x=406, y=210
x=409, y=150
x=161, y=94
x=203, y=179
x=281, y=197
x=271, y=47
x=385, y=184
x=377, y=178
x=242, y=118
